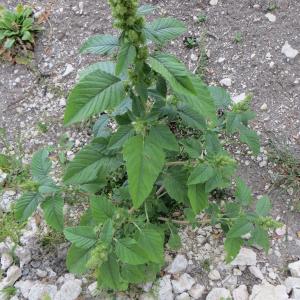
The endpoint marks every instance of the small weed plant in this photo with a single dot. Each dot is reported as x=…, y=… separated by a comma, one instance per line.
x=161, y=165
x=17, y=32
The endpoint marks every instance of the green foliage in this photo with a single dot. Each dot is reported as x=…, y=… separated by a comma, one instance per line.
x=17, y=30
x=164, y=155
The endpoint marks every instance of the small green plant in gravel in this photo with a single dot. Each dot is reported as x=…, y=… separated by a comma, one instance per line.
x=158, y=168
x=201, y=18
x=238, y=38
x=17, y=31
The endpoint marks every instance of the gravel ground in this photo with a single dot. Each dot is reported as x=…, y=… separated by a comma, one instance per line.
x=243, y=40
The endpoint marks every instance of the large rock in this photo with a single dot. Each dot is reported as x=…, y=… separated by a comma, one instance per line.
x=24, y=286
x=269, y=292
x=165, y=288
x=218, y=294
x=254, y=270
x=24, y=255
x=179, y=264
x=214, y=275
x=292, y=282
x=295, y=268
x=70, y=290
x=12, y=275
x=6, y=261
x=197, y=291
x=246, y=257
x=184, y=283
x=40, y=291
x=183, y=296
x=289, y=51
x=240, y=293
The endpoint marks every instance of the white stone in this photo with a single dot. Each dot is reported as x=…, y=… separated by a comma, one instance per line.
x=62, y=102
x=6, y=261
x=264, y=107
x=254, y=270
x=218, y=294
x=70, y=290
x=289, y=51
x=184, y=283
x=292, y=282
x=165, y=288
x=239, y=98
x=213, y=2
x=178, y=265
x=270, y=17
x=295, y=268
x=281, y=231
x=40, y=291
x=221, y=59
x=214, y=275
x=147, y=296
x=246, y=257
x=69, y=70
x=24, y=255
x=41, y=273
x=226, y=82
x=8, y=198
x=240, y=293
x=92, y=288
x=183, y=296
x=268, y=292
x=194, y=57
x=296, y=294
x=197, y=291
x=3, y=248
x=24, y=286
x=80, y=5
x=12, y=275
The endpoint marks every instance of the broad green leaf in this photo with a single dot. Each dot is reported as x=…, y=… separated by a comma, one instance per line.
x=134, y=274
x=144, y=162
x=232, y=247
x=201, y=174
x=128, y=251
x=213, y=146
x=173, y=71
x=81, y=236
x=174, y=182
x=105, y=66
x=260, y=237
x=102, y=209
x=193, y=147
x=146, y=9
x=162, y=136
x=27, y=204
x=118, y=139
x=152, y=242
x=233, y=122
x=263, y=206
x=48, y=186
x=221, y=97
x=90, y=162
x=107, y=232
x=77, y=259
x=251, y=138
x=126, y=57
x=198, y=197
x=174, y=241
x=191, y=117
x=9, y=43
x=100, y=44
x=101, y=129
x=123, y=107
x=53, y=212
x=109, y=276
x=40, y=165
x=239, y=228
x=163, y=30
x=95, y=93
x=215, y=182
x=243, y=193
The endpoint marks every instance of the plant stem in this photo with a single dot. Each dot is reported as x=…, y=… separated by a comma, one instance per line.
x=176, y=163
x=182, y=222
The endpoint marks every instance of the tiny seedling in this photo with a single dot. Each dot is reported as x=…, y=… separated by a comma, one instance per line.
x=238, y=38
x=201, y=18
x=190, y=42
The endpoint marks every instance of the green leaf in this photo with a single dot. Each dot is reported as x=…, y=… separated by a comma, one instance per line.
x=193, y=147
x=105, y=66
x=198, y=197
x=146, y=9
x=102, y=209
x=128, y=251
x=239, y=228
x=53, y=212
x=118, y=139
x=152, y=242
x=163, y=30
x=162, y=136
x=191, y=117
x=144, y=162
x=101, y=129
x=77, y=259
x=232, y=247
x=95, y=93
x=174, y=182
x=126, y=57
x=27, y=204
x=40, y=165
x=107, y=232
x=263, y=206
x=251, y=138
x=81, y=236
x=109, y=276
x=134, y=274
x=90, y=162
x=243, y=193
x=201, y=174
x=260, y=237
x=174, y=241
x=173, y=71
x=221, y=97
x=213, y=146
x=100, y=44
x=9, y=43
